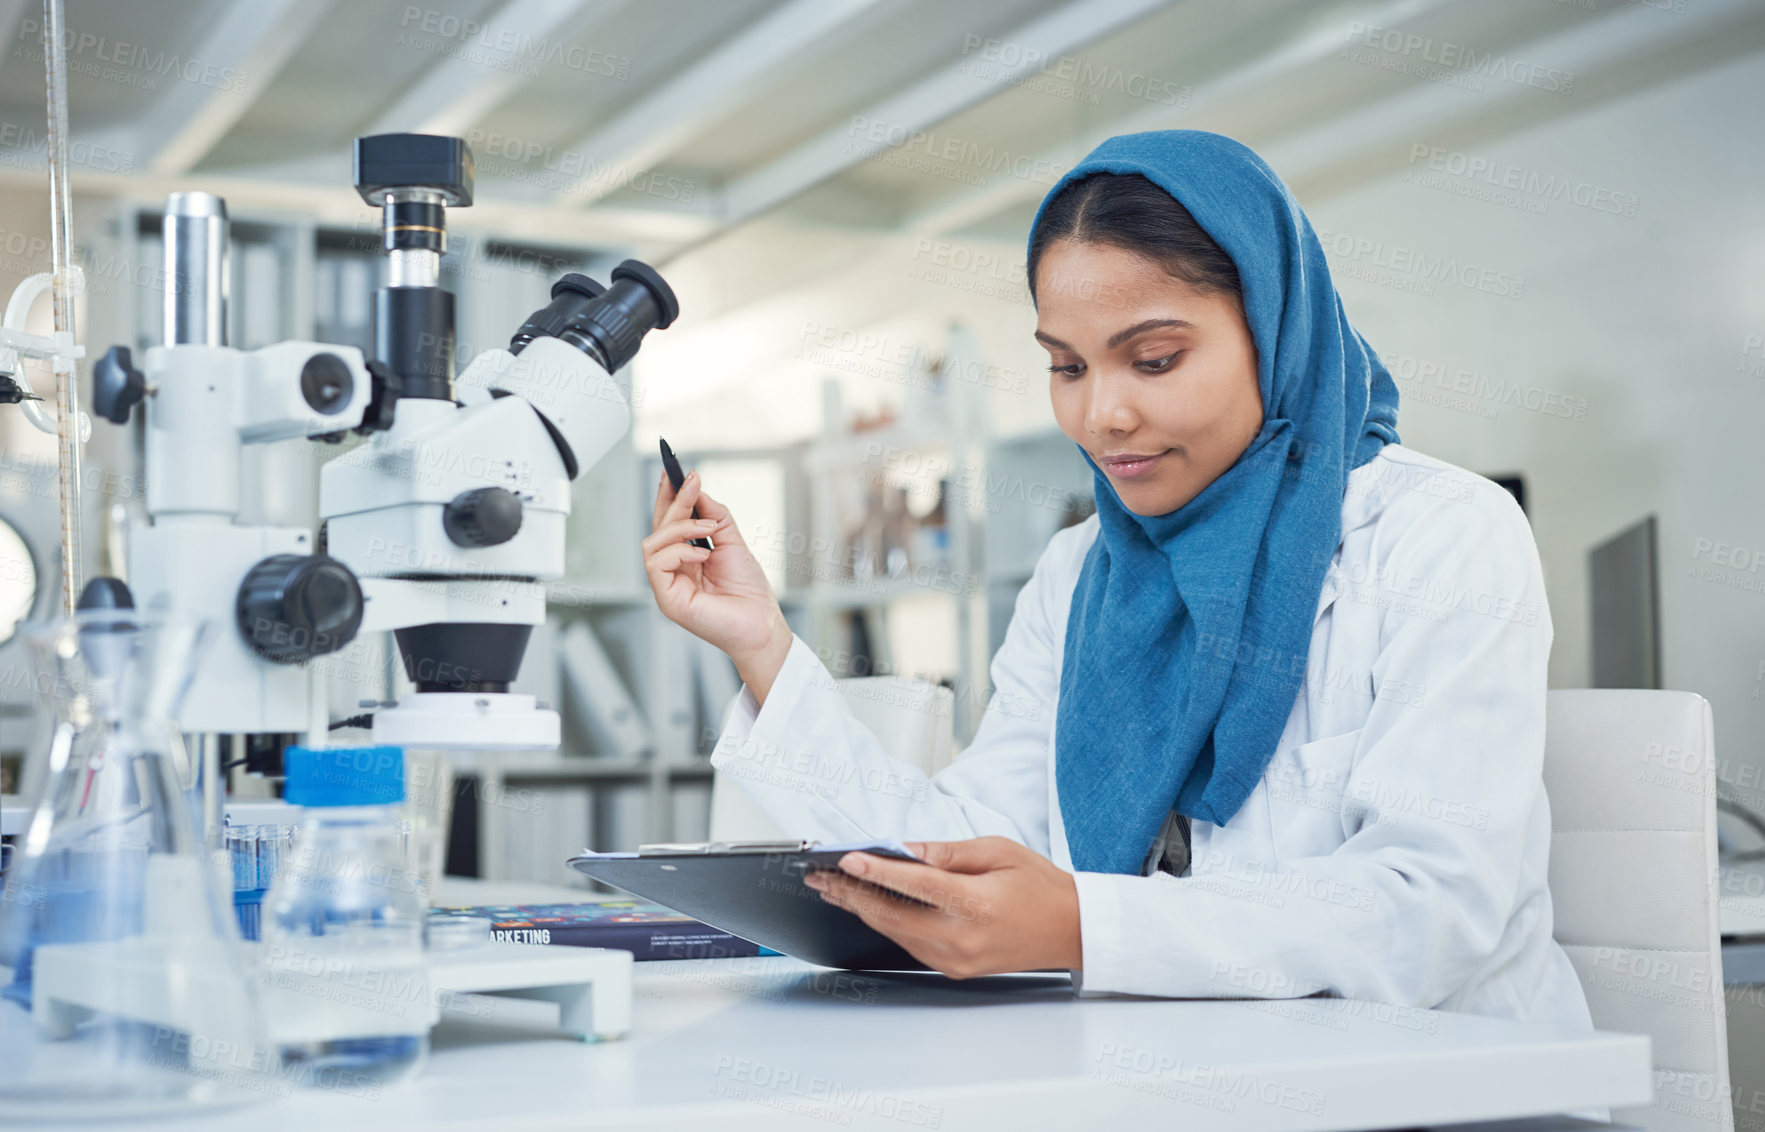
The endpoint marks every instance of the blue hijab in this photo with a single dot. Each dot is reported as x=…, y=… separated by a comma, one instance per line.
x=1189, y=631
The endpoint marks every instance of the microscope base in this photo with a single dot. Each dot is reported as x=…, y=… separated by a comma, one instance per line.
x=501, y=721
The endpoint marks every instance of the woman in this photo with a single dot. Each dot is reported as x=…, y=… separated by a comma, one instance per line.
x=1271, y=722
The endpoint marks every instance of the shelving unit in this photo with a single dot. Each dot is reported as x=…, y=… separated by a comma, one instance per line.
x=936, y=444
x=1040, y=484
x=1007, y=498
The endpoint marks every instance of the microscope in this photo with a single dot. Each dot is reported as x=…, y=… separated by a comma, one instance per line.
x=442, y=526
x=453, y=514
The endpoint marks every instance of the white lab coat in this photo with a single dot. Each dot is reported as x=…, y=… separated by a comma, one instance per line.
x=1395, y=849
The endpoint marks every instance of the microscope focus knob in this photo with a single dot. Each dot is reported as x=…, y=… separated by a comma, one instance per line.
x=117, y=386
x=294, y=607
x=485, y=516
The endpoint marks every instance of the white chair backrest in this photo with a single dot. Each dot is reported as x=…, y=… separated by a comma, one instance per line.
x=1633, y=878
x=911, y=718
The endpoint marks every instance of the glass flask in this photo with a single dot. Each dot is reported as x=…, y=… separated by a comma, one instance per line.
x=123, y=989
x=345, y=967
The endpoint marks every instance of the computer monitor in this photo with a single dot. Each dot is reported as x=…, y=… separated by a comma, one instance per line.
x=1624, y=581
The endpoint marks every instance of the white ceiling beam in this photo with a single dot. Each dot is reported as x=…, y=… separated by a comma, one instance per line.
x=1320, y=42
x=248, y=45
x=1405, y=118
x=1431, y=109
x=456, y=93
x=1365, y=140
x=337, y=204
x=322, y=172
x=661, y=121
x=925, y=104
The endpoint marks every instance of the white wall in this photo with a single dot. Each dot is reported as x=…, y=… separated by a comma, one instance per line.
x=1642, y=322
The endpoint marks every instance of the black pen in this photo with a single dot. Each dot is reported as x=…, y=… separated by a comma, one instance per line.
x=678, y=477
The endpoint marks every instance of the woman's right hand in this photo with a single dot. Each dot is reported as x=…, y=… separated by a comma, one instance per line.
x=720, y=595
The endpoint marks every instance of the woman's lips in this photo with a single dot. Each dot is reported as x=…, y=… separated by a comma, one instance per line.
x=1131, y=465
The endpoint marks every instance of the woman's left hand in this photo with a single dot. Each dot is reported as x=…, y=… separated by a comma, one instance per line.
x=996, y=906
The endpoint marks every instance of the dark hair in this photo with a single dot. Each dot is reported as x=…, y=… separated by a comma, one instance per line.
x=1128, y=211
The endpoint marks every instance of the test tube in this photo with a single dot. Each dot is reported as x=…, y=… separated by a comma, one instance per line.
x=269, y=854
x=285, y=839
x=242, y=843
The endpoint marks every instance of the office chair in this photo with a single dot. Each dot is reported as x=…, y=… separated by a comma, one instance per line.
x=1633, y=878
x=911, y=718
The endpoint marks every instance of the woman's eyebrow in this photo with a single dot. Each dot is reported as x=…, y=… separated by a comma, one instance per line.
x=1121, y=336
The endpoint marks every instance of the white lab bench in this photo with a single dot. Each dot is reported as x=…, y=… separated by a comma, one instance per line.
x=773, y=1043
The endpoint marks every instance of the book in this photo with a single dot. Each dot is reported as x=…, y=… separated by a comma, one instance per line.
x=648, y=931
x=538, y=840
x=570, y=820
x=615, y=727
x=690, y=806
x=718, y=684
x=541, y=671
x=622, y=816
x=673, y=691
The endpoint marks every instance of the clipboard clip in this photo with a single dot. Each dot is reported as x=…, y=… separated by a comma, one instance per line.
x=673, y=848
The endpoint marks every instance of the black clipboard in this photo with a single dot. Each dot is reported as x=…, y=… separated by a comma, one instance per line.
x=755, y=890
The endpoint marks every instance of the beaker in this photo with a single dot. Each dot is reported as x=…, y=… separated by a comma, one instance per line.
x=429, y=796
x=123, y=989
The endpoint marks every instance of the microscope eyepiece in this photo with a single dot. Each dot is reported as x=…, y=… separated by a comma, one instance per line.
x=612, y=326
x=645, y=276
x=570, y=294
x=606, y=323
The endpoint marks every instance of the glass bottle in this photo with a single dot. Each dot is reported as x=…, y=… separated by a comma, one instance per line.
x=345, y=973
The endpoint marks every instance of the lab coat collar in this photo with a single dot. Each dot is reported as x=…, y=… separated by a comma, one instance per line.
x=1370, y=488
